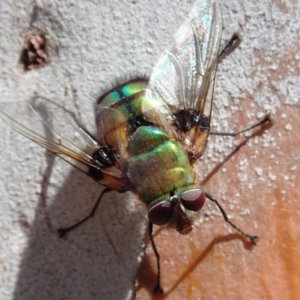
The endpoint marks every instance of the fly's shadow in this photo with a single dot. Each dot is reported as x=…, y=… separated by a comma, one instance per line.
x=101, y=257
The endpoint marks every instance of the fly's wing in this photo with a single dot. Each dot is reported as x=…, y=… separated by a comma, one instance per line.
x=43, y=121
x=184, y=76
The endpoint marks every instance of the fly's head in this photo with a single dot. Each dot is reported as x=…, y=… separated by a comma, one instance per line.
x=178, y=210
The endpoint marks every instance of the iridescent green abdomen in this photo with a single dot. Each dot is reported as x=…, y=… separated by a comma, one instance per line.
x=124, y=109
x=156, y=165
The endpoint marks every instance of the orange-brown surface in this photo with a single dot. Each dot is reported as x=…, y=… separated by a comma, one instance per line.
x=215, y=262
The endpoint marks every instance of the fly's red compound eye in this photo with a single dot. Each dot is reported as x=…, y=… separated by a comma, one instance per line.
x=161, y=213
x=193, y=199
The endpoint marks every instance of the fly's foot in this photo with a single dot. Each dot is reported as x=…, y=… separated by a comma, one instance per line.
x=158, y=289
x=253, y=238
x=62, y=232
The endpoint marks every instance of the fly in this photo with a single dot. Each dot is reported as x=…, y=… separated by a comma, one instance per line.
x=150, y=131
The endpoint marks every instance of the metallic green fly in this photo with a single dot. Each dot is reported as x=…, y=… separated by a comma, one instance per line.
x=150, y=131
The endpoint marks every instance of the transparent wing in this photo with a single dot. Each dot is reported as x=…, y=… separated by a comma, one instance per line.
x=184, y=76
x=43, y=121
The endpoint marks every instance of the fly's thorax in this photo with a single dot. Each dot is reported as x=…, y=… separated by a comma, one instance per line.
x=178, y=209
x=122, y=110
x=156, y=164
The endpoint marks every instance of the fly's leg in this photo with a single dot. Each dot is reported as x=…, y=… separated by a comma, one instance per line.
x=231, y=45
x=267, y=118
x=252, y=238
x=158, y=288
x=63, y=231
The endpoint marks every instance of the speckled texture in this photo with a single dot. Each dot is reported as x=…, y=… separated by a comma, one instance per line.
x=91, y=43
